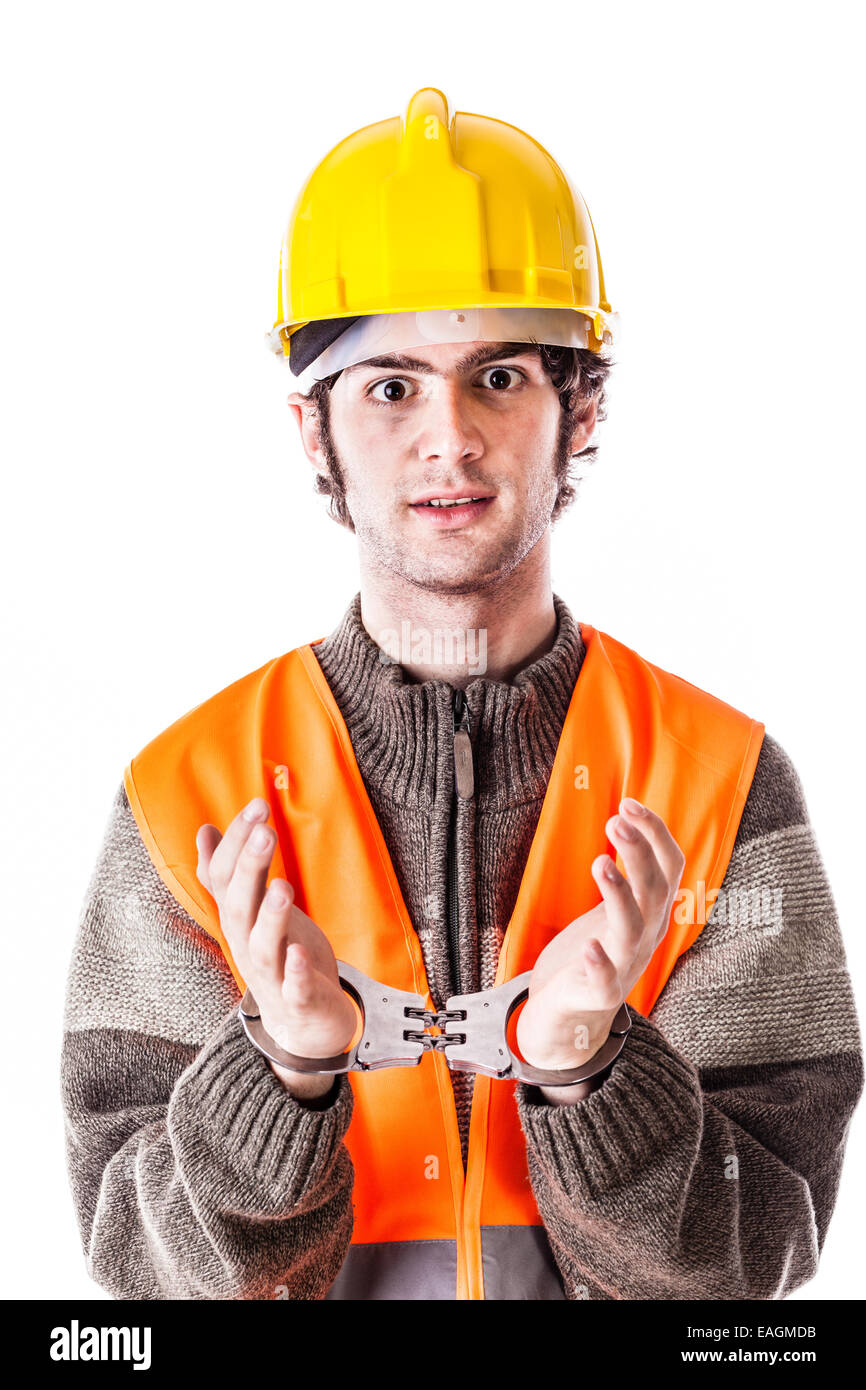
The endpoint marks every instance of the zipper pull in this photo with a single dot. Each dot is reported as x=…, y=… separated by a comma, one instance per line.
x=463, y=770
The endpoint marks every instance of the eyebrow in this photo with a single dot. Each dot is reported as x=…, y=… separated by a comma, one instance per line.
x=401, y=361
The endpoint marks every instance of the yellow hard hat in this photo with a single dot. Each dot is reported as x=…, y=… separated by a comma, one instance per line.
x=427, y=212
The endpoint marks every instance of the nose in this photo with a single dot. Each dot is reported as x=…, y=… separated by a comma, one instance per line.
x=448, y=434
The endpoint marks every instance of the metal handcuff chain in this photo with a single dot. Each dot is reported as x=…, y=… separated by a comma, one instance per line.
x=472, y=1037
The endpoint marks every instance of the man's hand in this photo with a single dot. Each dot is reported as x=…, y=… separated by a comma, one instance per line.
x=286, y=960
x=583, y=975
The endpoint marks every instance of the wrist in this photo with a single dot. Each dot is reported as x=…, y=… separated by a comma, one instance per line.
x=304, y=1086
x=315, y=1089
x=566, y=1059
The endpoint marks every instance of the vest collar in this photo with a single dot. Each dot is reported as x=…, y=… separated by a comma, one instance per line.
x=402, y=729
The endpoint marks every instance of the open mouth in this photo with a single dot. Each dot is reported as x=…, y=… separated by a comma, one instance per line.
x=450, y=501
x=451, y=511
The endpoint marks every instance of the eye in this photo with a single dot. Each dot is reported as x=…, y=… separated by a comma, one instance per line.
x=499, y=377
x=394, y=388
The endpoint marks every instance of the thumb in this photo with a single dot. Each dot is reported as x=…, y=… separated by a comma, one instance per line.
x=207, y=837
x=601, y=971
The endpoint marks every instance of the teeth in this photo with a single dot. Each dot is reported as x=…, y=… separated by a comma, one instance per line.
x=450, y=502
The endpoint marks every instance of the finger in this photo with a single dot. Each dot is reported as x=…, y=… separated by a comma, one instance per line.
x=242, y=899
x=667, y=851
x=301, y=998
x=626, y=926
x=662, y=931
x=225, y=856
x=267, y=942
x=308, y=992
x=602, y=974
x=645, y=874
x=207, y=837
x=301, y=982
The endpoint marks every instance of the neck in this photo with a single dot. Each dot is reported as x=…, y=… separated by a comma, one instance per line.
x=440, y=634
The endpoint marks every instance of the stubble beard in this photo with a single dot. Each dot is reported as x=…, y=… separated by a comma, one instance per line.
x=483, y=563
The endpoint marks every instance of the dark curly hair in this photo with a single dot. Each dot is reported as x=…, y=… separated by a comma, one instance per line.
x=578, y=375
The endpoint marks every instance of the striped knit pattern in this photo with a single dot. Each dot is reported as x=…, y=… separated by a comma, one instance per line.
x=194, y=1173
x=705, y=1166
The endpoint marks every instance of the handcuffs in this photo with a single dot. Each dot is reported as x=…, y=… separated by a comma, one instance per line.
x=472, y=1033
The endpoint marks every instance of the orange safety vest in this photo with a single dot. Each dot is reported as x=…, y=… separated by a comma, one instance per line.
x=423, y=1229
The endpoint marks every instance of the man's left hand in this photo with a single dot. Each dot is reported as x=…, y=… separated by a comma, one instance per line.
x=583, y=975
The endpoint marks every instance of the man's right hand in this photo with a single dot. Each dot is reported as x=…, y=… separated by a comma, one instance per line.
x=285, y=959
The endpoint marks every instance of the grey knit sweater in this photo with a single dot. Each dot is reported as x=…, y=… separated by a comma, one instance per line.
x=705, y=1166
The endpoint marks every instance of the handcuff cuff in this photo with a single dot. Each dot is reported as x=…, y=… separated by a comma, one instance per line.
x=472, y=1037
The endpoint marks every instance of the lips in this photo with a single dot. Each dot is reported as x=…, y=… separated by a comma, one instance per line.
x=452, y=516
x=432, y=498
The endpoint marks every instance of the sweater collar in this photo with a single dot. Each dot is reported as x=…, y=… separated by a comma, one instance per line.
x=402, y=730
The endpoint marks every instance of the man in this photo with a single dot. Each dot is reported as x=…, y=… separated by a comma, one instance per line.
x=443, y=773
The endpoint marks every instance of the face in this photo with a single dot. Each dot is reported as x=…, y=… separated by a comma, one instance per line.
x=447, y=421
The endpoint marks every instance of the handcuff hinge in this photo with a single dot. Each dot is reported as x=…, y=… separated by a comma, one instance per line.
x=435, y=1018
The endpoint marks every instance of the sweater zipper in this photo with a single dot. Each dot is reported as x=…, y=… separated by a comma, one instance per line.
x=464, y=786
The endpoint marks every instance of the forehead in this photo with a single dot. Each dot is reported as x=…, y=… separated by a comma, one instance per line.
x=442, y=358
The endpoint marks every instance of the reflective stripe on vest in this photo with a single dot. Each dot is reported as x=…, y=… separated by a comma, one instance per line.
x=632, y=729
x=517, y=1263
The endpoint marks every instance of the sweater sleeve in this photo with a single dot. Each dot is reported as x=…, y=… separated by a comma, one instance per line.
x=193, y=1171
x=706, y=1166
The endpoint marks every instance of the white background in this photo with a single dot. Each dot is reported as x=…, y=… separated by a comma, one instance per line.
x=161, y=537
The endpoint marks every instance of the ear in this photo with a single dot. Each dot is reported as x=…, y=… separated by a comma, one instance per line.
x=582, y=432
x=304, y=412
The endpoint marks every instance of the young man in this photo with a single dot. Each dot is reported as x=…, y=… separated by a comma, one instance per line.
x=427, y=795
